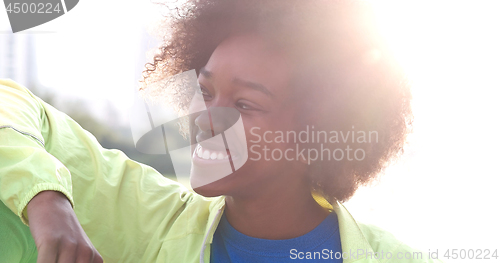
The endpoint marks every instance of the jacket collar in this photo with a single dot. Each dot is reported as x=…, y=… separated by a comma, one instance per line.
x=351, y=236
x=216, y=209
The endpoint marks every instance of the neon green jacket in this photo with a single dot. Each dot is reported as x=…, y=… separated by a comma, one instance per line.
x=130, y=212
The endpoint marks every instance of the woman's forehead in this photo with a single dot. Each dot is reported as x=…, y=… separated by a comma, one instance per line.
x=252, y=58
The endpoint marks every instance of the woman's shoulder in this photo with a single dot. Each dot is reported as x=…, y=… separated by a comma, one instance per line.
x=371, y=243
x=387, y=246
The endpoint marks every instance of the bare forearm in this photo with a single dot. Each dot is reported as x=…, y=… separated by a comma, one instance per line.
x=57, y=232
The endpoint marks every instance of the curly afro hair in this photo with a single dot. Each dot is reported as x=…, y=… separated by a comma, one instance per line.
x=346, y=76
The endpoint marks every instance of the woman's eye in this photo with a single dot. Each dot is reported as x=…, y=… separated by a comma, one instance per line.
x=244, y=106
x=204, y=92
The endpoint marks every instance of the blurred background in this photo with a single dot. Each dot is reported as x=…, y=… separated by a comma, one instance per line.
x=443, y=193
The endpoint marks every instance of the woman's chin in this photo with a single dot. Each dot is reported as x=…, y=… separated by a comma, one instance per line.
x=213, y=189
x=206, y=172
x=203, y=191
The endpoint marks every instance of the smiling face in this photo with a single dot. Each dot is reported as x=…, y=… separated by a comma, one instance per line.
x=247, y=74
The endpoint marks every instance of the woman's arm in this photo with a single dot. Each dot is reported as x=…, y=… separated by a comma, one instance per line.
x=56, y=231
x=119, y=203
x=36, y=185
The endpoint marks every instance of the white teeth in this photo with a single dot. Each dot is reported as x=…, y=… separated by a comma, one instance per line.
x=198, y=152
x=206, y=155
x=211, y=155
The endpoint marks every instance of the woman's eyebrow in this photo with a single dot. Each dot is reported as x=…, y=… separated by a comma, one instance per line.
x=248, y=84
x=207, y=74
x=253, y=85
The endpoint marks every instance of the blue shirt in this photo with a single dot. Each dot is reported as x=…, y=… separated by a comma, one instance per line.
x=319, y=245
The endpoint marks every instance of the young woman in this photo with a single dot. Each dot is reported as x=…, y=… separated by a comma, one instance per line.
x=286, y=66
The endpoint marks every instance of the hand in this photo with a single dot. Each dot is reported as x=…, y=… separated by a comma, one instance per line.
x=58, y=235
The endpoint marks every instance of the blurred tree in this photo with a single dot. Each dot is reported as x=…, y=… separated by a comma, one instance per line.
x=110, y=134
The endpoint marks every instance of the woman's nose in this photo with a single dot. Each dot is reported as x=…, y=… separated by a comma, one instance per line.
x=204, y=123
x=216, y=120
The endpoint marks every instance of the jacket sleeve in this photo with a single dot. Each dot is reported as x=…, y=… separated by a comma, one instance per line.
x=26, y=168
x=120, y=203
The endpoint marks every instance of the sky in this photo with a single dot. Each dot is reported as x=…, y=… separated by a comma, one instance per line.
x=92, y=52
x=449, y=177
x=442, y=194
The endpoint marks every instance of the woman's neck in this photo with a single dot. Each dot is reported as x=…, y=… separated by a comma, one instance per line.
x=276, y=214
